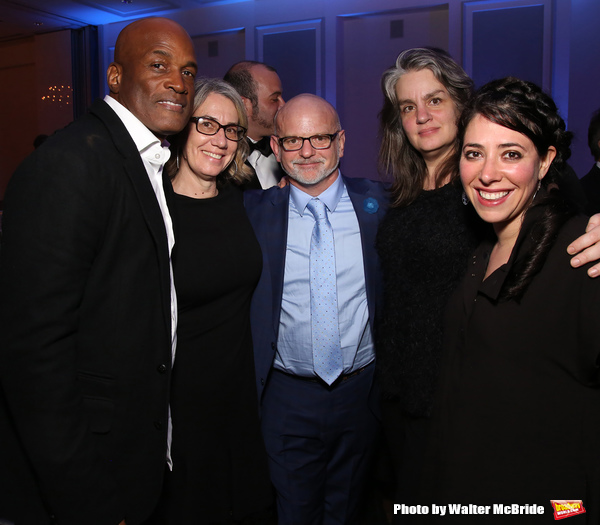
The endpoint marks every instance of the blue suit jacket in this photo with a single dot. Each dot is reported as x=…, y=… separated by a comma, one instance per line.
x=268, y=213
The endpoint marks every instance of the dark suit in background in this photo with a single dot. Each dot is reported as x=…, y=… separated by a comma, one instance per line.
x=591, y=188
x=591, y=181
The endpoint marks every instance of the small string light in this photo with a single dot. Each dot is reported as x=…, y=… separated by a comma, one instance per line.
x=59, y=94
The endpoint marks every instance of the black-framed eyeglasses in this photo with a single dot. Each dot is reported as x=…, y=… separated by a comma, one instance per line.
x=321, y=141
x=209, y=126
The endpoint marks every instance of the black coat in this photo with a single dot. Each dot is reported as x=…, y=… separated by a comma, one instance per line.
x=85, y=346
x=591, y=187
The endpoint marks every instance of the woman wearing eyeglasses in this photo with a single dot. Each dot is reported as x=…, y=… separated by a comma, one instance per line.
x=219, y=470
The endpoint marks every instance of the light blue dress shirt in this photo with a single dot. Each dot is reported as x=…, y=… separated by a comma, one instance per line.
x=294, y=346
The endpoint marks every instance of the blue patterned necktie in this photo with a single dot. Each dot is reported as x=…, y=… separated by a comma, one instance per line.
x=327, y=350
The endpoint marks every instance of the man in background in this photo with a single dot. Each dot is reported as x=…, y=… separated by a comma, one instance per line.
x=88, y=311
x=591, y=182
x=312, y=319
x=260, y=88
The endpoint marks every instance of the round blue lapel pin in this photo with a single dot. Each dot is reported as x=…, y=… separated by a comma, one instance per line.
x=370, y=205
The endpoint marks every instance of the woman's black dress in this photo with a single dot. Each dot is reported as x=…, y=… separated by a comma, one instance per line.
x=219, y=464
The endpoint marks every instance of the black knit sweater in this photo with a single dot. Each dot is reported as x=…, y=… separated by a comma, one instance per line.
x=423, y=249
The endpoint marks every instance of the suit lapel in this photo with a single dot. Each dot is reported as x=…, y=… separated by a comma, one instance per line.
x=276, y=248
x=136, y=171
x=368, y=221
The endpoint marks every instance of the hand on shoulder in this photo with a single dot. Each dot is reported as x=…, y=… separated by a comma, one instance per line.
x=586, y=248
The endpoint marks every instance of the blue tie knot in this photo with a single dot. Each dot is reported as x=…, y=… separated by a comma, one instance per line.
x=317, y=208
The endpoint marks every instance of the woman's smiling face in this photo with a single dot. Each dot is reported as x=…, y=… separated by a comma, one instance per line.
x=500, y=170
x=208, y=155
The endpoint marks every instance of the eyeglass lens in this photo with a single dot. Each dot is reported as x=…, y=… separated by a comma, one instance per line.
x=316, y=141
x=208, y=126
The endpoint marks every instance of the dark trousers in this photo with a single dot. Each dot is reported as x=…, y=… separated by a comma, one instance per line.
x=319, y=440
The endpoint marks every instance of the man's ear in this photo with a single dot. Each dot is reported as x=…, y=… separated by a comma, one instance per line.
x=113, y=77
x=341, y=142
x=248, y=106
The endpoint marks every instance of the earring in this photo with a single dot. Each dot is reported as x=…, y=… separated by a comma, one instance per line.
x=465, y=200
x=235, y=166
x=177, y=161
x=537, y=189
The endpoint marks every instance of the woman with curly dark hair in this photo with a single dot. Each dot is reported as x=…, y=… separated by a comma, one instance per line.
x=518, y=413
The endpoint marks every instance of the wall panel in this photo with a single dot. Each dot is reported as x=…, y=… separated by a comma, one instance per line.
x=369, y=44
x=296, y=50
x=216, y=52
x=508, y=39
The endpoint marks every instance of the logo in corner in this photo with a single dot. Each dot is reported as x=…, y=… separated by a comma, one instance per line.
x=565, y=508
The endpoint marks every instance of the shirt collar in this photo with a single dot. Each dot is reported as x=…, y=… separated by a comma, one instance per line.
x=144, y=139
x=330, y=197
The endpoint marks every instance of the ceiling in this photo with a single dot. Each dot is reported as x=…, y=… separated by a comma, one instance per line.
x=22, y=18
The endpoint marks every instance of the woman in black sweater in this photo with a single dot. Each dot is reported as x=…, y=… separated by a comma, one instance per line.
x=423, y=243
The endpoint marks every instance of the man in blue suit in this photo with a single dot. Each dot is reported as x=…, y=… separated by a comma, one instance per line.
x=312, y=318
